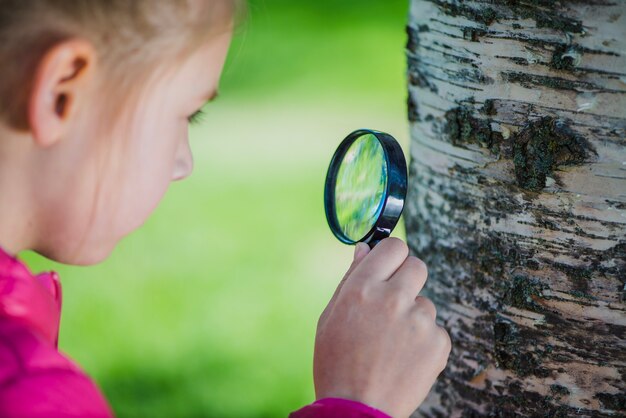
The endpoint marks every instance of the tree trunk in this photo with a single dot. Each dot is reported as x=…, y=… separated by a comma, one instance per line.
x=517, y=201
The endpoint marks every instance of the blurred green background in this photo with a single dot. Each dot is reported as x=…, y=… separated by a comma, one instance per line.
x=210, y=309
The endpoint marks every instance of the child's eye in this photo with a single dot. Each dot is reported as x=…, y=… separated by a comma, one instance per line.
x=197, y=117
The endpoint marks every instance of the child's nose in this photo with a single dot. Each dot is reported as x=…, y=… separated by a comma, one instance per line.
x=183, y=165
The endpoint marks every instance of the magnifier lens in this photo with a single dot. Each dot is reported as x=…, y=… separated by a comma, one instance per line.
x=360, y=187
x=365, y=187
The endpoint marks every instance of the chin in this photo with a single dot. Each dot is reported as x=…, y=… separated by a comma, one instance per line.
x=91, y=259
x=84, y=256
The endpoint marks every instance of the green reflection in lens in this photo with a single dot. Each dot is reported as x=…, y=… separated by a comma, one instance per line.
x=360, y=187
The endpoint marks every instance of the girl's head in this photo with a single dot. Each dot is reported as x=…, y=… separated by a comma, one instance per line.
x=95, y=98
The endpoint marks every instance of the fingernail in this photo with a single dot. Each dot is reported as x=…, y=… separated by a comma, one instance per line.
x=360, y=250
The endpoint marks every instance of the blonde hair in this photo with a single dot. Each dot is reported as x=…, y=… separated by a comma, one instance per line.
x=131, y=38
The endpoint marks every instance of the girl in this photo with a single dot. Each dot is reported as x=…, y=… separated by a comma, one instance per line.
x=95, y=101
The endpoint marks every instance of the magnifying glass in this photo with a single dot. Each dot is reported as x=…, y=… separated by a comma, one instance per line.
x=365, y=187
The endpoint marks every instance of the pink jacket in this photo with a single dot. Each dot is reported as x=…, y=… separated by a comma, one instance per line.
x=37, y=381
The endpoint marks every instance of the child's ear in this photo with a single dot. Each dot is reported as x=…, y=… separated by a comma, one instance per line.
x=59, y=86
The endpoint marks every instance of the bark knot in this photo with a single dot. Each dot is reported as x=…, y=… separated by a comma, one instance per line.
x=511, y=352
x=543, y=146
x=524, y=293
x=462, y=127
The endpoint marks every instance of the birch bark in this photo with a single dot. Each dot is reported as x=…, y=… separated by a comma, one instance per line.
x=517, y=201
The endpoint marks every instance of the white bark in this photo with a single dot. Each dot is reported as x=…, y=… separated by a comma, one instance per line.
x=517, y=201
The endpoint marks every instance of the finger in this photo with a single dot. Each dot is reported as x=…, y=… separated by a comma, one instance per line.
x=447, y=341
x=411, y=276
x=360, y=251
x=386, y=257
x=425, y=306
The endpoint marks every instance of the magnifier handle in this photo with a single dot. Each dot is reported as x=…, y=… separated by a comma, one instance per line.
x=373, y=243
x=377, y=236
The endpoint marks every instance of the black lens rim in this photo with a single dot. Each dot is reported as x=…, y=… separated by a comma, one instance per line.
x=395, y=192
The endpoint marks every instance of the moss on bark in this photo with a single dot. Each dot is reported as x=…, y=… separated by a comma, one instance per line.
x=543, y=146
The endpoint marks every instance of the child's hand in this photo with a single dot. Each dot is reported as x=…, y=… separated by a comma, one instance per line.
x=377, y=341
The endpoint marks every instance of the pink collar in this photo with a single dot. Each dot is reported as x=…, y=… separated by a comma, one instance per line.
x=32, y=300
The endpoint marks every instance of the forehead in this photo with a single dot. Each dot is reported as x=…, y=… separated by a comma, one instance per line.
x=198, y=74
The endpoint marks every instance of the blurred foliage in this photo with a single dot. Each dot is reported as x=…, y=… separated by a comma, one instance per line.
x=324, y=46
x=209, y=310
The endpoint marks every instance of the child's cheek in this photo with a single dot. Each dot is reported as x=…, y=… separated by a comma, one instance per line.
x=154, y=169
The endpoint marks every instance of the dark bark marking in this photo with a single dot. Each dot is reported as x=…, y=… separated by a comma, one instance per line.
x=537, y=151
x=543, y=13
x=417, y=76
x=558, y=390
x=457, y=58
x=524, y=292
x=545, y=44
x=473, y=34
x=544, y=145
x=532, y=81
x=412, y=39
x=578, y=276
x=510, y=350
x=485, y=16
x=464, y=75
x=462, y=128
x=412, y=110
x=489, y=107
x=517, y=60
x=566, y=57
x=614, y=401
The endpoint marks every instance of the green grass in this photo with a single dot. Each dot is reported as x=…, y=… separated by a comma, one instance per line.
x=209, y=310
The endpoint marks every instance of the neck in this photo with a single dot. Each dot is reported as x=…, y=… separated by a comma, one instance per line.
x=17, y=221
